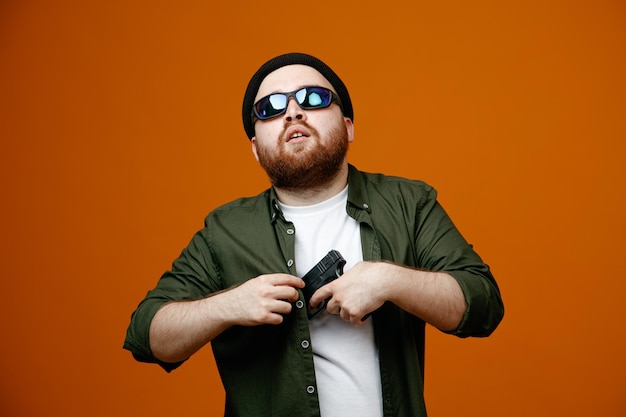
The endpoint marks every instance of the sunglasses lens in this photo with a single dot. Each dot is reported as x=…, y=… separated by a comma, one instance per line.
x=316, y=97
x=270, y=106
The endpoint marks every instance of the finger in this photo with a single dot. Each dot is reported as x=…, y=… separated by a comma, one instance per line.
x=282, y=307
x=333, y=307
x=274, y=318
x=273, y=312
x=286, y=293
x=354, y=319
x=321, y=294
x=288, y=280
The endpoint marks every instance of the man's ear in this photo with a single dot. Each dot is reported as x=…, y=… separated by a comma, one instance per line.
x=349, y=129
x=254, y=151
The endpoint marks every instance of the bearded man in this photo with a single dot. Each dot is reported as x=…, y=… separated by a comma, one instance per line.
x=239, y=286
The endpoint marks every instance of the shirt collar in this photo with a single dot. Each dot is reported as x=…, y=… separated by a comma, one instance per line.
x=357, y=195
x=275, y=211
x=357, y=190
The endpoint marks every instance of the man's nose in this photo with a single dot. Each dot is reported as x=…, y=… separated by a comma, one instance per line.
x=294, y=111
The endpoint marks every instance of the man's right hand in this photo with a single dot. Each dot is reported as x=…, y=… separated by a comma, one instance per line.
x=180, y=328
x=264, y=299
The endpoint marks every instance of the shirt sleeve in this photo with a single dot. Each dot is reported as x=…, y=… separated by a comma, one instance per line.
x=193, y=275
x=441, y=247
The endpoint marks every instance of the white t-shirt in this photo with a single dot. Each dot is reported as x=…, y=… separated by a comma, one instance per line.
x=345, y=356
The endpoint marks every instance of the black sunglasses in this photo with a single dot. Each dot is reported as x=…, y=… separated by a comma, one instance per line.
x=308, y=98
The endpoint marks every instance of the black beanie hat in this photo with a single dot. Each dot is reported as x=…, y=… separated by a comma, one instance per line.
x=282, y=61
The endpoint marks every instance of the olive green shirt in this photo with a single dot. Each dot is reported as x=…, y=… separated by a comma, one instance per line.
x=267, y=370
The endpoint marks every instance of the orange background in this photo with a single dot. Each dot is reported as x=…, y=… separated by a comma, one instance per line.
x=120, y=129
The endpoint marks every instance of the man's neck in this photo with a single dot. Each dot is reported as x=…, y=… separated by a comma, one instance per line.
x=310, y=196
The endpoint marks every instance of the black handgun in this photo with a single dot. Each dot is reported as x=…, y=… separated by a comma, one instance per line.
x=326, y=270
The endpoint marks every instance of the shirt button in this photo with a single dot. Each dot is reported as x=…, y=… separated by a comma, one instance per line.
x=290, y=231
x=304, y=344
x=366, y=206
x=290, y=262
x=310, y=389
x=299, y=303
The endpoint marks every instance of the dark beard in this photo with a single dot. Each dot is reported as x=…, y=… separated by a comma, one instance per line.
x=307, y=168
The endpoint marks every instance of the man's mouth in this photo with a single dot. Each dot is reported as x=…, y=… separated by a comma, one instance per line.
x=296, y=134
